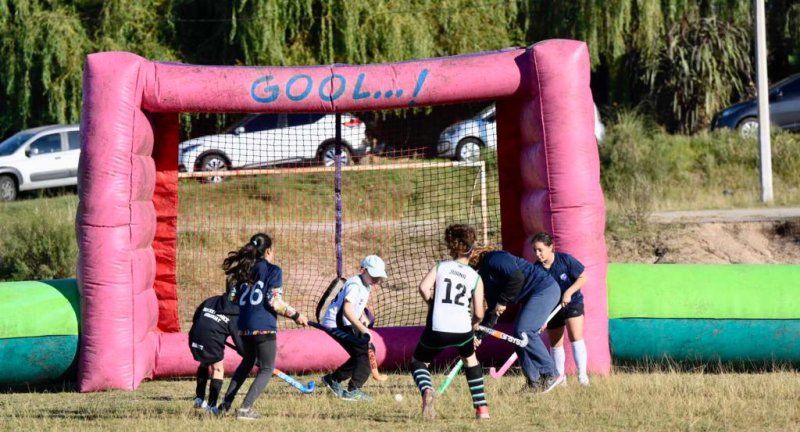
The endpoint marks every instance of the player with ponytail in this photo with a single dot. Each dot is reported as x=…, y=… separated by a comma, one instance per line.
x=454, y=294
x=259, y=285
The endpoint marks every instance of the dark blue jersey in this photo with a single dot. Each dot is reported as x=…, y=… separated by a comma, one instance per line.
x=566, y=270
x=255, y=313
x=214, y=320
x=510, y=279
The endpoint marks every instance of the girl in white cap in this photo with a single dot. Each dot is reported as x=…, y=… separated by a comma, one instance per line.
x=346, y=312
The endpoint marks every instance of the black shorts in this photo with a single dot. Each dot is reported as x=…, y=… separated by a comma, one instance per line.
x=571, y=311
x=431, y=343
x=207, y=351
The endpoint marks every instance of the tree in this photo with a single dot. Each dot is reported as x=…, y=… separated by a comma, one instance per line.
x=41, y=74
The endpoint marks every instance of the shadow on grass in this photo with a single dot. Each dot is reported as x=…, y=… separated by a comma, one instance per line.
x=55, y=387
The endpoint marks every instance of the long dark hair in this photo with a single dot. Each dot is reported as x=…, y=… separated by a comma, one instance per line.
x=460, y=239
x=238, y=264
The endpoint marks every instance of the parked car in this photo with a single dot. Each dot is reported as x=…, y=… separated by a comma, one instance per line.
x=463, y=141
x=273, y=139
x=39, y=158
x=784, y=110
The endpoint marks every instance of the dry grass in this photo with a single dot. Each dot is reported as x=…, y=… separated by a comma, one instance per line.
x=658, y=401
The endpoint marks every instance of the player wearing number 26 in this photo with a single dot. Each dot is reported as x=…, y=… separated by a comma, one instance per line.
x=454, y=294
x=260, y=303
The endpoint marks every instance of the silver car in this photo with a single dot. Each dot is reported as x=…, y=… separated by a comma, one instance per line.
x=463, y=141
x=39, y=158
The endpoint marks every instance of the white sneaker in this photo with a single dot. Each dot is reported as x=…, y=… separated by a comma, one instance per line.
x=564, y=380
x=200, y=403
x=583, y=380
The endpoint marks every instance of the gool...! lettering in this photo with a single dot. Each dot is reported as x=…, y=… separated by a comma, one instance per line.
x=301, y=86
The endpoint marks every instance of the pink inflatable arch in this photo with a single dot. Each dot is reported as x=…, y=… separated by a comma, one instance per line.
x=126, y=222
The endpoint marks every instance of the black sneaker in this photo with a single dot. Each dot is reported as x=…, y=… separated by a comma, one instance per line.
x=222, y=409
x=531, y=387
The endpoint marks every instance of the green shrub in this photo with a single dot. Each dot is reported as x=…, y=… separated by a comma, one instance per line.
x=704, y=170
x=39, y=241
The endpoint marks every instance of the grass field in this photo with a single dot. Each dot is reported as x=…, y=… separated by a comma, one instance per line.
x=625, y=401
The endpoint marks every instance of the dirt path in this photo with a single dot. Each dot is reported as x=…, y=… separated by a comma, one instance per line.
x=741, y=236
x=733, y=215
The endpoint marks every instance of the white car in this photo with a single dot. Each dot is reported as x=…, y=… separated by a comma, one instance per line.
x=274, y=139
x=464, y=140
x=39, y=158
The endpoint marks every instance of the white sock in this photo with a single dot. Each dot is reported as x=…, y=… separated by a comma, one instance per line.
x=579, y=353
x=558, y=358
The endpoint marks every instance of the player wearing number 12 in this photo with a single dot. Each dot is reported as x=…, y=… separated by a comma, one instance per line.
x=451, y=288
x=260, y=303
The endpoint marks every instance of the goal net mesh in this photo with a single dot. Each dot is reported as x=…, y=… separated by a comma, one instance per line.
x=277, y=174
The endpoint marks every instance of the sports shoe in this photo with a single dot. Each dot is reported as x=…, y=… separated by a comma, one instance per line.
x=428, y=405
x=531, y=387
x=549, y=382
x=199, y=403
x=211, y=410
x=247, y=414
x=222, y=409
x=564, y=381
x=355, y=395
x=482, y=412
x=583, y=380
x=333, y=385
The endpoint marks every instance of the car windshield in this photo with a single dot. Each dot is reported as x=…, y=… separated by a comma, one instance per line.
x=12, y=144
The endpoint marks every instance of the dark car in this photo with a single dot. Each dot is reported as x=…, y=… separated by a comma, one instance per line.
x=784, y=110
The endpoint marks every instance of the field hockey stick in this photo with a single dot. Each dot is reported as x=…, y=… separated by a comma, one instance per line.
x=337, y=282
x=520, y=342
x=373, y=364
x=294, y=383
x=552, y=314
x=450, y=376
x=340, y=334
x=497, y=374
x=506, y=366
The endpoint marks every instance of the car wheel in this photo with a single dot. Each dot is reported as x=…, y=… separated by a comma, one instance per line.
x=328, y=155
x=214, y=162
x=748, y=128
x=8, y=189
x=469, y=150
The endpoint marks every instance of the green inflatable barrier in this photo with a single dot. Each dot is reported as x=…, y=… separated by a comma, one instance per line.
x=39, y=328
x=739, y=291
x=37, y=360
x=705, y=340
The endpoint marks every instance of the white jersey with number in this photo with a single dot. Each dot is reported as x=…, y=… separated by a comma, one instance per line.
x=356, y=292
x=452, y=297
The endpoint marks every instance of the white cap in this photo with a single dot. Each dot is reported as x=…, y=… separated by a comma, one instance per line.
x=374, y=265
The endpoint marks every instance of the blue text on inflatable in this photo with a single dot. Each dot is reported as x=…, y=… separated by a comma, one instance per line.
x=299, y=87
